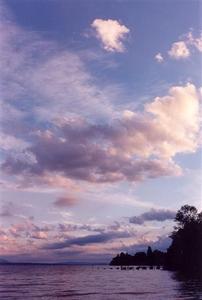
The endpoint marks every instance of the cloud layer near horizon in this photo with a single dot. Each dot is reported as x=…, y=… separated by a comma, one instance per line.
x=48, y=241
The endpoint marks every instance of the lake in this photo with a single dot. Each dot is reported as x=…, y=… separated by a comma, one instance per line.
x=93, y=282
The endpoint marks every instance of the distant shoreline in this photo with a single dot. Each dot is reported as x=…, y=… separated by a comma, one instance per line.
x=54, y=264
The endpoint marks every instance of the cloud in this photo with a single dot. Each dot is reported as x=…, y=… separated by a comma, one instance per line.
x=159, y=58
x=89, y=163
x=86, y=240
x=39, y=235
x=184, y=48
x=58, y=236
x=88, y=138
x=135, y=147
x=28, y=230
x=82, y=239
x=111, y=33
x=8, y=209
x=9, y=142
x=42, y=82
x=179, y=50
x=65, y=201
x=153, y=215
x=161, y=243
x=196, y=42
x=179, y=112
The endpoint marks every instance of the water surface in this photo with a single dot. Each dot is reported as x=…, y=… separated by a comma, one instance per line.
x=93, y=282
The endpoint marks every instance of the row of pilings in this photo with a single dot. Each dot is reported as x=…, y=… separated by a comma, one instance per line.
x=125, y=268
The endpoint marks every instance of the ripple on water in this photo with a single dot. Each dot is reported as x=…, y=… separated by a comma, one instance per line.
x=86, y=282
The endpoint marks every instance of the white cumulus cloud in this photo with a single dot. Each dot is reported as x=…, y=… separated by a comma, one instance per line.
x=186, y=46
x=111, y=33
x=159, y=58
x=176, y=120
x=179, y=50
x=195, y=41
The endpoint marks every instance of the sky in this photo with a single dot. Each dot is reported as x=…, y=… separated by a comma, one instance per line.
x=100, y=126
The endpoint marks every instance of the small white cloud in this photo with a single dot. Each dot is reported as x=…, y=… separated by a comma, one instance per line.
x=183, y=48
x=128, y=114
x=179, y=50
x=111, y=33
x=200, y=91
x=159, y=58
x=196, y=42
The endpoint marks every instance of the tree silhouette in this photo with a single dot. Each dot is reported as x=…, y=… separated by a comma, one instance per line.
x=150, y=256
x=186, y=215
x=185, y=252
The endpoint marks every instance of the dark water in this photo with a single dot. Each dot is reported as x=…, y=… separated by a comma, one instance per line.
x=26, y=282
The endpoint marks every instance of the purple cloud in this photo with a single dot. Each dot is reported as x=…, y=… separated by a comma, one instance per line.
x=86, y=240
x=162, y=243
x=8, y=209
x=65, y=201
x=87, y=153
x=153, y=215
x=53, y=88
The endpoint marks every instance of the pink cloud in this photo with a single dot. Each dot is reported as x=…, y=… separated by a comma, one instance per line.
x=123, y=146
x=65, y=201
x=135, y=147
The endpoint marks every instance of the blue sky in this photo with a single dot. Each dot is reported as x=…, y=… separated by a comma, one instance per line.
x=100, y=125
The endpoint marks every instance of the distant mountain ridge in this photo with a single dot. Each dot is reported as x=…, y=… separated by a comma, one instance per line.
x=4, y=261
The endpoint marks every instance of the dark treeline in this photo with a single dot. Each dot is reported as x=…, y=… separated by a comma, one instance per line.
x=185, y=251
x=151, y=258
